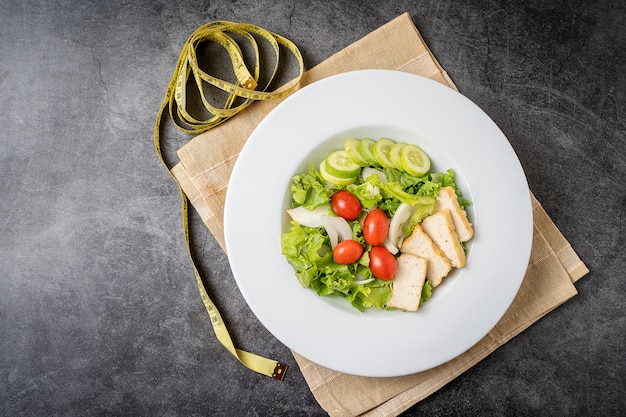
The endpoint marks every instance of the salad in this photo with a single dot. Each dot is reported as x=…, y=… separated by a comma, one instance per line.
x=351, y=214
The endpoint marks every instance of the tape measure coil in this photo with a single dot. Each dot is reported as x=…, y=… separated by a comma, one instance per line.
x=246, y=88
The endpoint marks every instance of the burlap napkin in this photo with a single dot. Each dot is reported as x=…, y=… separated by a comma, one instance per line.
x=204, y=169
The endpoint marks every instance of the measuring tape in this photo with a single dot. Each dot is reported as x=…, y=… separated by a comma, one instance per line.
x=246, y=88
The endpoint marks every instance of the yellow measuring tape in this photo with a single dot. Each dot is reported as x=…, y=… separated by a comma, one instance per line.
x=243, y=92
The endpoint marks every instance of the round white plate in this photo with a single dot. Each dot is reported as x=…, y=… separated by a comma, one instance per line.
x=456, y=134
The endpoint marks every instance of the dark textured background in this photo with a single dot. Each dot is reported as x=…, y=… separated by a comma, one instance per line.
x=99, y=312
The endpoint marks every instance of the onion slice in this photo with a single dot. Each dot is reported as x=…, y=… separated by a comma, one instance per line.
x=363, y=281
x=391, y=247
x=310, y=218
x=338, y=229
x=367, y=171
x=402, y=215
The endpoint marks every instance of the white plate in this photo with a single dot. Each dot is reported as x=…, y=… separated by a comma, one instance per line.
x=456, y=134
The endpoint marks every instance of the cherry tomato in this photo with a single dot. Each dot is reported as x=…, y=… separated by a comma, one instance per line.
x=346, y=205
x=347, y=252
x=382, y=263
x=375, y=227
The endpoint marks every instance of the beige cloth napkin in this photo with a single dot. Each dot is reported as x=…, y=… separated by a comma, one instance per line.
x=204, y=169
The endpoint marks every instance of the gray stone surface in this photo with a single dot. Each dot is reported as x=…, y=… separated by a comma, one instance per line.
x=99, y=311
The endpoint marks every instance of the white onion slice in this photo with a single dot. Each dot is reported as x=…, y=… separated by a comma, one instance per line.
x=367, y=171
x=372, y=189
x=391, y=247
x=363, y=281
x=402, y=215
x=310, y=218
x=338, y=229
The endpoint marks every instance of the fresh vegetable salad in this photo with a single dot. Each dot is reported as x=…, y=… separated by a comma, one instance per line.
x=351, y=214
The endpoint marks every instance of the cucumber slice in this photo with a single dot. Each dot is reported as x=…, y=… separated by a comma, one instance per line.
x=414, y=160
x=351, y=147
x=339, y=164
x=333, y=179
x=394, y=155
x=381, y=150
x=366, y=149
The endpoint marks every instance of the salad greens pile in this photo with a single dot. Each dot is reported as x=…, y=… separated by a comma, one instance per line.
x=308, y=249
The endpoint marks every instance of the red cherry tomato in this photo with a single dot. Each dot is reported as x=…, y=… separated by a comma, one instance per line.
x=346, y=205
x=347, y=252
x=375, y=227
x=382, y=263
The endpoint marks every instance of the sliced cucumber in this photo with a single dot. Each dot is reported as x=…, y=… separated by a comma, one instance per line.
x=366, y=149
x=339, y=164
x=394, y=155
x=414, y=160
x=351, y=147
x=333, y=179
x=381, y=151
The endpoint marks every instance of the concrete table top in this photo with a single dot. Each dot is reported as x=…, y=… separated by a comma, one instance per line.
x=99, y=310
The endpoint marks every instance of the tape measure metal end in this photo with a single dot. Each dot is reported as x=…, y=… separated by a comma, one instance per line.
x=279, y=371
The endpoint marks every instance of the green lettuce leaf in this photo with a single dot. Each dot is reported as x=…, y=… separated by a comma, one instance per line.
x=372, y=295
x=397, y=191
x=427, y=292
x=309, y=190
x=446, y=179
x=307, y=249
x=367, y=194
